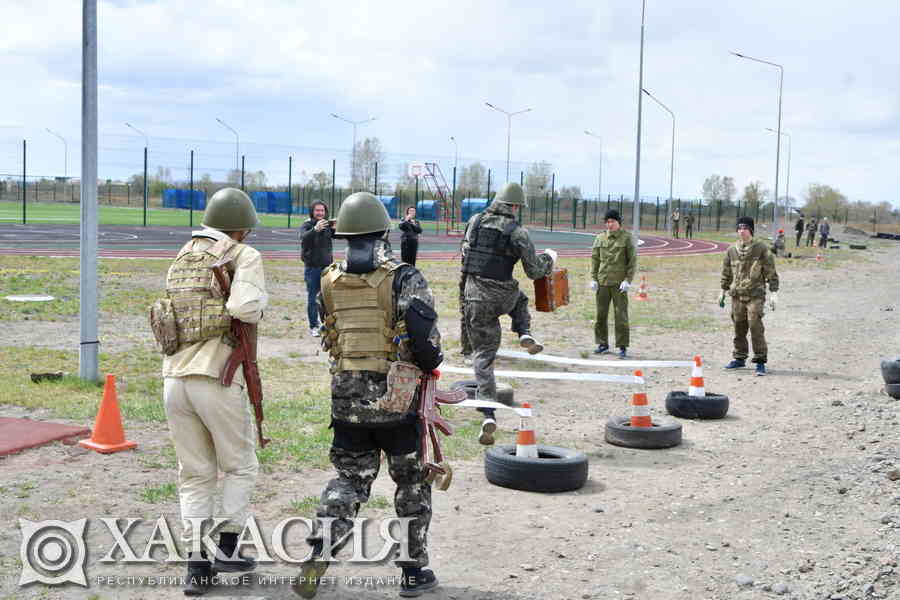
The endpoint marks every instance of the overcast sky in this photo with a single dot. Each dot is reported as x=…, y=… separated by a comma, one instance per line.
x=274, y=70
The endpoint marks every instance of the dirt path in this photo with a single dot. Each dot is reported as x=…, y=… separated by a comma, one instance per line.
x=790, y=491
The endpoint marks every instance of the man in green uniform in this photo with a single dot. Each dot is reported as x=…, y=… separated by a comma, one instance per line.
x=747, y=268
x=613, y=263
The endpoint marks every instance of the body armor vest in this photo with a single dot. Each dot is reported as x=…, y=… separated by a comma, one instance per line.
x=359, y=330
x=487, y=255
x=195, y=296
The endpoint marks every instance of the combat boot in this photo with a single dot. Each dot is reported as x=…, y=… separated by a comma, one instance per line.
x=736, y=364
x=199, y=575
x=530, y=344
x=311, y=572
x=488, y=427
x=760, y=369
x=417, y=581
x=226, y=560
x=602, y=349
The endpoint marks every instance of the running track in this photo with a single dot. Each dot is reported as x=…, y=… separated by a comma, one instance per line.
x=281, y=243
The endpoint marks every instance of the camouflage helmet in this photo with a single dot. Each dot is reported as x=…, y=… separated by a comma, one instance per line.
x=362, y=213
x=512, y=194
x=230, y=209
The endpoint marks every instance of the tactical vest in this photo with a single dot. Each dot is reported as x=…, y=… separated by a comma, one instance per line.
x=359, y=329
x=195, y=294
x=487, y=255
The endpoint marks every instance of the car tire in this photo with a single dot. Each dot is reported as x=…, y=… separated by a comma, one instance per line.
x=712, y=406
x=890, y=371
x=555, y=470
x=505, y=393
x=661, y=435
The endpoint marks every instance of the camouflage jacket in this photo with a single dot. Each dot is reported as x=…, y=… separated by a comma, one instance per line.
x=483, y=289
x=613, y=258
x=747, y=268
x=354, y=394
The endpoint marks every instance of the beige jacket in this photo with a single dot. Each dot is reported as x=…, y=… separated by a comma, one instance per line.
x=247, y=301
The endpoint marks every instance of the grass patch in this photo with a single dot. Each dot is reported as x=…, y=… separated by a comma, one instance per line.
x=159, y=494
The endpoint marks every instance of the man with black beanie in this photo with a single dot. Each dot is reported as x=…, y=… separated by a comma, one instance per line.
x=747, y=268
x=613, y=263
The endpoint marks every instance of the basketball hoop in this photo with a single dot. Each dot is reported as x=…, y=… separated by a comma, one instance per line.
x=416, y=169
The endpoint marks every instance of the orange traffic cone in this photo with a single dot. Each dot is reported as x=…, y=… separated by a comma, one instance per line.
x=697, y=389
x=108, y=435
x=640, y=408
x=526, y=444
x=642, y=290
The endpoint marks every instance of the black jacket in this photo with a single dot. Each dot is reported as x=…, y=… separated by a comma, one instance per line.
x=315, y=246
x=411, y=231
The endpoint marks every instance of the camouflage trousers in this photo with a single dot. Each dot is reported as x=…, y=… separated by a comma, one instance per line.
x=747, y=315
x=356, y=456
x=483, y=320
x=463, y=327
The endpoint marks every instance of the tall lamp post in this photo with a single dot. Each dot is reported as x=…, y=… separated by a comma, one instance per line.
x=509, y=116
x=600, y=169
x=353, y=151
x=672, y=158
x=775, y=222
x=455, y=152
x=65, y=152
x=787, y=183
x=146, y=183
x=237, y=143
x=636, y=205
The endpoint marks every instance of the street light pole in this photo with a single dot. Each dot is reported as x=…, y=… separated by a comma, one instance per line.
x=237, y=142
x=509, y=116
x=600, y=170
x=672, y=159
x=455, y=153
x=636, y=205
x=787, y=185
x=65, y=153
x=775, y=222
x=353, y=150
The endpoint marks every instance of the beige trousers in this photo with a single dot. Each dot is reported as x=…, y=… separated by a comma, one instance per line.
x=212, y=428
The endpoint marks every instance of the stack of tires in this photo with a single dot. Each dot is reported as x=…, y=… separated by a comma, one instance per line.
x=890, y=370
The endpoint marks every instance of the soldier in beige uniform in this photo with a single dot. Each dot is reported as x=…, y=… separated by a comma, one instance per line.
x=212, y=426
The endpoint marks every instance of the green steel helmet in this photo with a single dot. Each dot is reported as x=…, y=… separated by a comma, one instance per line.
x=230, y=209
x=362, y=213
x=512, y=194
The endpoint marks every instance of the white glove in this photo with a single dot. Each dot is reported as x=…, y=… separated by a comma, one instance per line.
x=773, y=300
x=552, y=254
x=594, y=285
x=623, y=287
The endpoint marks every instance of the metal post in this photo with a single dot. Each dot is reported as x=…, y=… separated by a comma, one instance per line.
x=376, y=178
x=718, y=214
x=24, y=180
x=242, y=172
x=552, y=199
x=656, y=223
x=191, y=192
x=637, y=162
x=416, y=197
x=489, y=187
x=146, y=186
x=453, y=214
x=290, y=191
x=333, y=176
x=574, y=213
x=88, y=350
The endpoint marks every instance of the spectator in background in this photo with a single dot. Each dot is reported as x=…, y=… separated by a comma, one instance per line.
x=811, y=228
x=799, y=227
x=824, y=232
x=409, y=239
x=316, y=252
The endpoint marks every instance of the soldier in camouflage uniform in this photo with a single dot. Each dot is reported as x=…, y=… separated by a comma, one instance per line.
x=811, y=229
x=613, y=263
x=493, y=244
x=747, y=268
x=380, y=329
